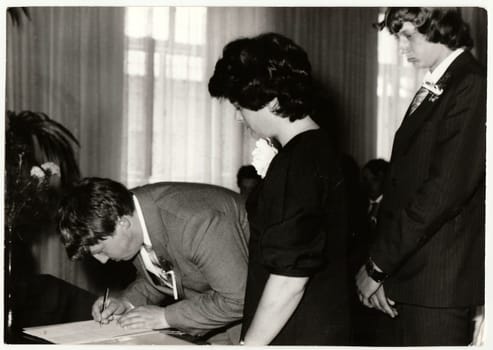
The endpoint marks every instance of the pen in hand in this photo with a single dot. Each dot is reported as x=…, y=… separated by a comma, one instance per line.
x=105, y=298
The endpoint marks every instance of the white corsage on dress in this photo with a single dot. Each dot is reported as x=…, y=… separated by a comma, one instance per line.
x=262, y=156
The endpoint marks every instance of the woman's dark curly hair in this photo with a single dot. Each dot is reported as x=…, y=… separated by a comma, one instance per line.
x=89, y=213
x=442, y=25
x=255, y=71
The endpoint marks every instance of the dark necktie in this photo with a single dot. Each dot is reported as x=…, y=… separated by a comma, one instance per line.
x=372, y=213
x=418, y=98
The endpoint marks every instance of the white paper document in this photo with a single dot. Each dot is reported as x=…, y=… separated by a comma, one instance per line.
x=85, y=332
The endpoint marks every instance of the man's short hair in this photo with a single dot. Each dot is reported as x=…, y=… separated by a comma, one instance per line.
x=442, y=25
x=89, y=213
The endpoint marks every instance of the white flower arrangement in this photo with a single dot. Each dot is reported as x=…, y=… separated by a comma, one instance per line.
x=53, y=168
x=48, y=168
x=36, y=171
x=262, y=155
x=30, y=196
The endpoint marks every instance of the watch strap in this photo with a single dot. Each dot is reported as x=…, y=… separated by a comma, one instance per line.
x=377, y=276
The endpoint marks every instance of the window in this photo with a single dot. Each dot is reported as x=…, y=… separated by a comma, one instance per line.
x=165, y=86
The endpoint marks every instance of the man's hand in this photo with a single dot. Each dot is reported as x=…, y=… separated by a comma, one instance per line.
x=148, y=316
x=379, y=301
x=114, y=307
x=366, y=286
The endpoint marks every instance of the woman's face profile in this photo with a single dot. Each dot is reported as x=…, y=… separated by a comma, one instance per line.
x=261, y=122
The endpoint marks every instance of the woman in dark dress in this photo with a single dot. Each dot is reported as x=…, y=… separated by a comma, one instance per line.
x=296, y=289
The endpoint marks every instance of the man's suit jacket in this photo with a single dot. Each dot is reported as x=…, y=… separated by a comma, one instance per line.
x=431, y=221
x=203, y=231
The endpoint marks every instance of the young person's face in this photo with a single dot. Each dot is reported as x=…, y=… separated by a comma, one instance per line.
x=122, y=245
x=417, y=49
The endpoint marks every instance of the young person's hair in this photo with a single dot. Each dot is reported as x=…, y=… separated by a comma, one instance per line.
x=89, y=213
x=442, y=25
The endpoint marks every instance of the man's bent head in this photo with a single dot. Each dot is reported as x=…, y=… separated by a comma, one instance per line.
x=90, y=213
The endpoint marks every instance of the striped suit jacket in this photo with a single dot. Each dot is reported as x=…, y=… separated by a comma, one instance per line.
x=430, y=234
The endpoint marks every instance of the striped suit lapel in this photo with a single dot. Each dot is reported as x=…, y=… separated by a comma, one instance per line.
x=413, y=122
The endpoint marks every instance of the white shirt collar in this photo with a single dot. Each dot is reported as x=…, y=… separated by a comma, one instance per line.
x=140, y=216
x=147, y=246
x=433, y=77
x=146, y=249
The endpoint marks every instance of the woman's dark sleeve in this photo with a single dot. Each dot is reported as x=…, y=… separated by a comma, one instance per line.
x=294, y=241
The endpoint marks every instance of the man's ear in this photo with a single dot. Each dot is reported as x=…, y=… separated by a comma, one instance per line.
x=124, y=222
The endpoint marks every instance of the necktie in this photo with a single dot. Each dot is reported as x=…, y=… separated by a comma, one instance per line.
x=372, y=213
x=162, y=271
x=418, y=98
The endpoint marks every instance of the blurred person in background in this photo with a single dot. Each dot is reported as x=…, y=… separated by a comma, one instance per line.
x=247, y=179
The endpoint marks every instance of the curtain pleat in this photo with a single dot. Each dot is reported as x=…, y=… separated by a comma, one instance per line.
x=477, y=18
x=230, y=142
x=342, y=47
x=68, y=63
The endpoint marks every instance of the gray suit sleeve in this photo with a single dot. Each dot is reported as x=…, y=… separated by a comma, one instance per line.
x=218, y=249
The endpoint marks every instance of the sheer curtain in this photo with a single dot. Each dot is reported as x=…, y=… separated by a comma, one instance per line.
x=68, y=63
x=175, y=131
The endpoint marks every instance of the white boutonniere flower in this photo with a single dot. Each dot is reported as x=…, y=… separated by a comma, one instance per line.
x=435, y=89
x=53, y=168
x=262, y=156
x=48, y=174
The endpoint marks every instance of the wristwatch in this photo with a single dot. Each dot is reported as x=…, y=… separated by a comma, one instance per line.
x=377, y=276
